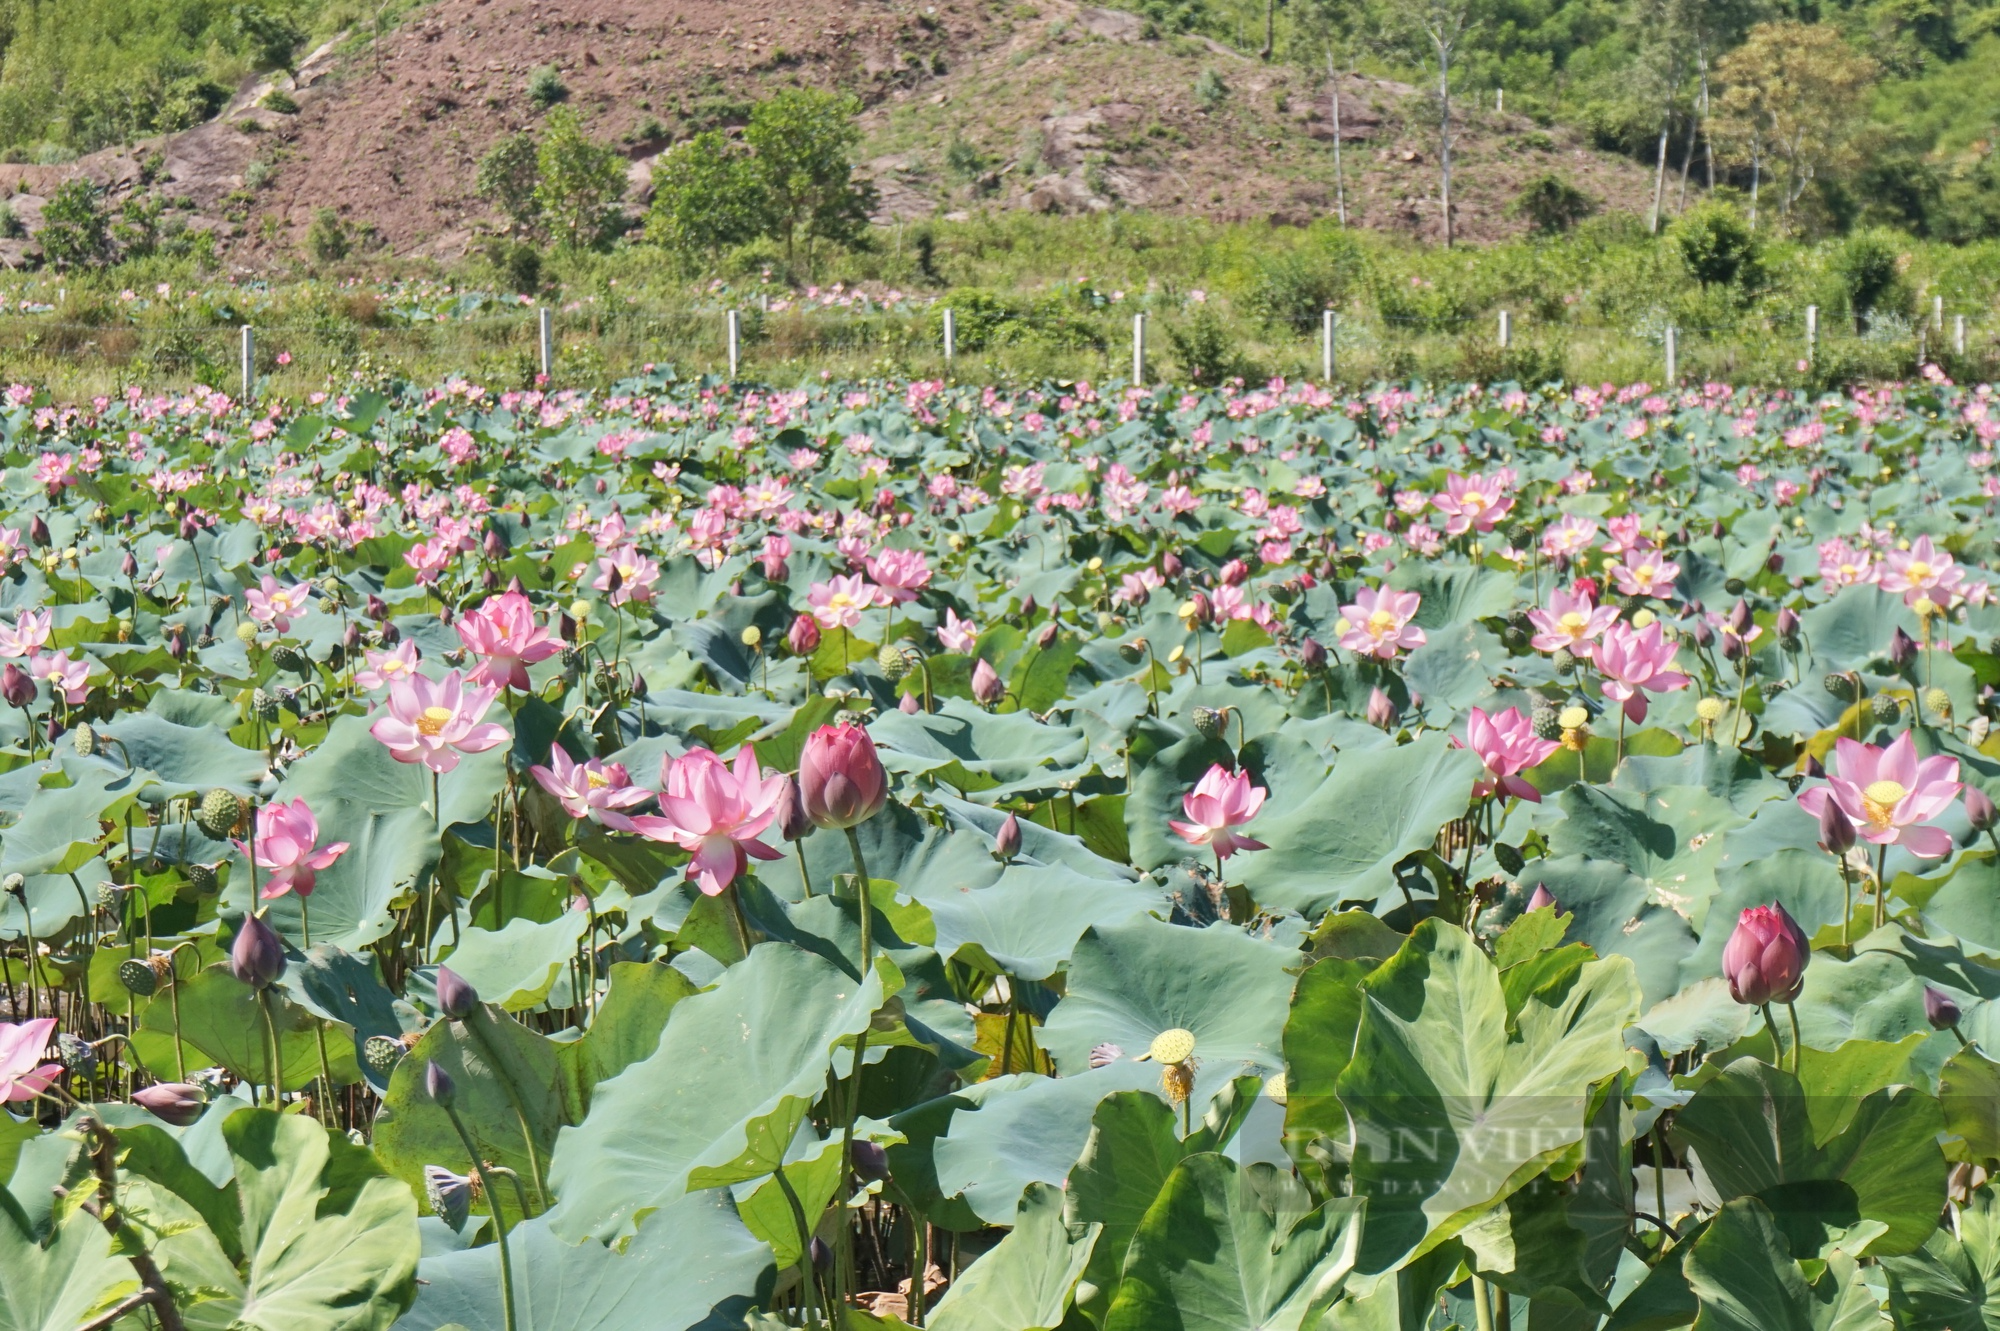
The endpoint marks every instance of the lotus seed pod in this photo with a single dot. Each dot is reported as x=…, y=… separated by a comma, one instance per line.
x=201, y=877
x=1544, y=717
x=286, y=656
x=14, y=885
x=1840, y=686
x=1710, y=710
x=1734, y=586
x=893, y=663
x=382, y=1053
x=1886, y=708
x=753, y=637
x=1573, y=717
x=1132, y=652
x=219, y=813
x=138, y=977
x=1938, y=703
x=1565, y=662
x=264, y=705
x=246, y=632
x=110, y=896
x=84, y=738
x=449, y=1195
x=1771, y=688
x=76, y=1055
x=1172, y=1046
x=1209, y=722
x=1278, y=1089
x=1509, y=858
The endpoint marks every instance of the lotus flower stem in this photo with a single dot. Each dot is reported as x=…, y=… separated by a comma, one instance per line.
x=805, y=874
x=1846, y=905
x=1798, y=1045
x=807, y=1279
x=1777, y=1041
x=842, y=1236
x=275, y=1066
x=1482, y=1305
x=1881, y=885
x=499, y=1223
x=474, y=1025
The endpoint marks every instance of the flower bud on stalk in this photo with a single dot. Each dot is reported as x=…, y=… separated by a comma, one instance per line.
x=1007, y=841
x=841, y=780
x=1765, y=958
x=1979, y=809
x=1836, y=831
x=803, y=636
x=987, y=686
x=1382, y=710
x=172, y=1102
x=257, y=957
x=439, y=1085
x=1902, y=650
x=792, y=820
x=1940, y=1010
x=456, y=998
x=1312, y=655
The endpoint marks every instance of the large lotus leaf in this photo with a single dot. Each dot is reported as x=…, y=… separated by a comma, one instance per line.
x=1753, y=1133
x=1319, y=1040
x=317, y=1236
x=1855, y=627
x=1966, y=904
x=1952, y=1283
x=1134, y=1144
x=722, y=1096
x=1746, y=1279
x=1342, y=842
x=692, y=1264
x=62, y=1281
x=1671, y=839
x=1615, y=914
x=58, y=830
x=626, y=1028
x=985, y=755
x=1452, y=1112
x=1029, y=1129
x=517, y=964
x=1129, y=982
x=1024, y=1282
x=1027, y=924
x=184, y=758
x=220, y=1023
x=1230, y=1247
x=1454, y=595
x=1455, y=667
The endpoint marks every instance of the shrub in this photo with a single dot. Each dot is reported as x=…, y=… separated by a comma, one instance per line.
x=546, y=88
x=1552, y=205
x=578, y=183
x=281, y=101
x=1868, y=266
x=1717, y=247
x=327, y=240
x=1292, y=289
x=507, y=177
x=1206, y=350
x=1210, y=92
x=75, y=232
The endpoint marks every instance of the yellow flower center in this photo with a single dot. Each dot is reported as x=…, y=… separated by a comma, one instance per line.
x=840, y=601
x=1573, y=622
x=1381, y=622
x=1473, y=500
x=596, y=780
x=1174, y=1046
x=1918, y=570
x=1880, y=799
x=433, y=721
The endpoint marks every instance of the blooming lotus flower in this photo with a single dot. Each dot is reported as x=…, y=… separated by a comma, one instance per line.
x=67, y=679
x=273, y=606
x=435, y=722
x=28, y=634
x=1378, y=623
x=1635, y=662
x=23, y=1075
x=1570, y=623
x=1921, y=571
x=841, y=779
x=957, y=635
x=1507, y=744
x=286, y=847
x=591, y=789
x=1888, y=794
x=1648, y=573
x=1765, y=958
x=626, y=575
x=899, y=575
x=384, y=668
x=1841, y=565
x=1220, y=801
x=1569, y=537
x=715, y=813
x=504, y=635
x=838, y=604
x=1473, y=503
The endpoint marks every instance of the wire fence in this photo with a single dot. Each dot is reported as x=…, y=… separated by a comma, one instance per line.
x=595, y=346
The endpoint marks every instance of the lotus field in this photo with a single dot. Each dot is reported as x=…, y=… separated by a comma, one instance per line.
x=890, y=854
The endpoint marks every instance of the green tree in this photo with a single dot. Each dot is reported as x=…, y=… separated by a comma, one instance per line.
x=1717, y=247
x=508, y=174
x=803, y=139
x=707, y=196
x=75, y=232
x=1552, y=204
x=579, y=182
x=1794, y=94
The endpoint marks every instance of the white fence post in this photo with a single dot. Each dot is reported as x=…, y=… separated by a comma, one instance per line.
x=1958, y=334
x=1138, y=350
x=734, y=327
x=547, y=337
x=1937, y=313
x=950, y=337
x=1812, y=333
x=1506, y=330
x=249, y=363
x=1326, y=361
x=1673, y=355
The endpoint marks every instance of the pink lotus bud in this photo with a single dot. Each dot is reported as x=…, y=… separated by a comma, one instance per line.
x=1007, y=841
x=1765, y=959
x=1836, y=832
x=987, y=687
x=841, y=779
x=1381, y=710
x=17, y=686
x=455, y=997
x=1940, y=1010
x=803, y=636
x=1978, y=809
x=1541, y=897
x=257, y=957
x=439, y=1085
x=792, y=820
x=1235, y=572
x=1311, y=654
x=1902, y=649
x=1739, y=617
x=174, y=1102
x=1171, y=566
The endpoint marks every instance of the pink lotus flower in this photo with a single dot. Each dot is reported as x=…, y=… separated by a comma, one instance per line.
x=67, y=679
x=28, y=634
x=957, y=635
x=1220, y=801
x=1569, y=537
x=1508, y=745
x=1841, y=565
x=715, y=813
x=591, y=789
x=504, y=635
x=286, y=847
x=1887, y=793
x=838, y=604
x=626, y=575
x=1473, y=503
x=384, y=668
x=23, y=1075
x=1570, y=623
x=1635, y=663
x=1649, y=573
x=1921, y=571
x=273, y=606
x=899, y=574
x=1765, y=959
x=436, y=722
x=1378, y=623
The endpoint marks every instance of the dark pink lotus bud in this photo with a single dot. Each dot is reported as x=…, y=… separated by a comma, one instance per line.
x=1171, y=566
x=1007, y=841
x=1028, y=608
x=1704, y=636
x=128, y=565
x=1979, y=809
x=1940, y=1009
x=1739, y=617
x=792, y=820
x=1902, y=649
x=987, y=687
x=456, y=998
x=871, y=1162
x=376, y=608
x=439, y=1085
x=1202, y=610
x=17, y=686
x=1381, y=710
x=1311, y=654
x=841, y=779
x=1775, y=562
x=1765, y=959
x=1788, y=625
x=257, y=957
x=495, y=544
x=1541, y=897
x=1047, y=637
x=1235, y=572
x=803, y=636
x=38, y=532
x=174, y=1102
x=1836, y=832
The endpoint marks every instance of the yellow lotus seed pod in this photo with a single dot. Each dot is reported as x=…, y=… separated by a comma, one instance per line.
x=579, y=610
x=1709, y=710
x=1573, y=718
x=1278, y=1089
x=752, y=636
x=1174, y=1046
x=246, y=631
x=1643, y=618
